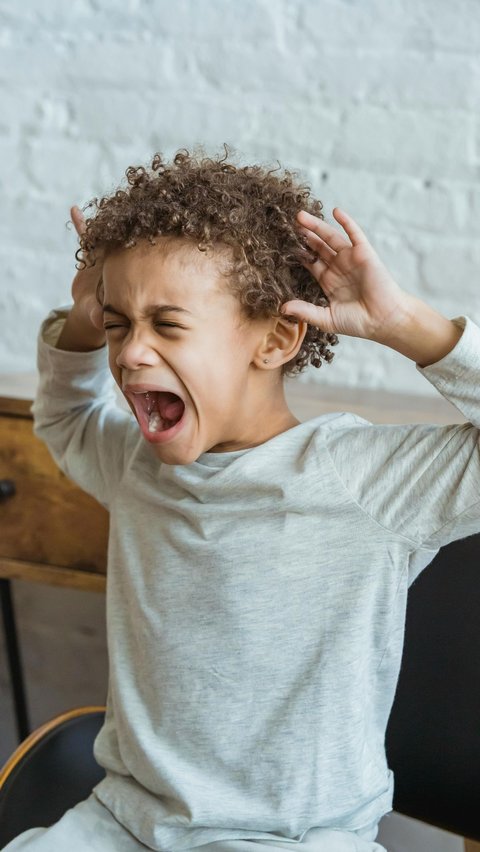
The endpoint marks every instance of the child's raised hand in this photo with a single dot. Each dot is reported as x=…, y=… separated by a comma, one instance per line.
x=86, y=281
x=364, y=300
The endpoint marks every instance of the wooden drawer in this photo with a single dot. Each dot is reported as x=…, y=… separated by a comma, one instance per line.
x=49, y=524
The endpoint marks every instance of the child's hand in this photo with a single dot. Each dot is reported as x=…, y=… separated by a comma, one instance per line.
x=86, y=281
x=364, y=299
x=83, y=329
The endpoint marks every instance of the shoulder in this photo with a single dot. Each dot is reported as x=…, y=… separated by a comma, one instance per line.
x=338, y=425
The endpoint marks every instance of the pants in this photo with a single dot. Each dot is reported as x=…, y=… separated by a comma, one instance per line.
x=90, y=827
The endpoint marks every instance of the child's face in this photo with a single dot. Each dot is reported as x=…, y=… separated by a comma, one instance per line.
x=206, y=354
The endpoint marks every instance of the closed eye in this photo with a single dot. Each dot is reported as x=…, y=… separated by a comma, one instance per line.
x=110, y=325
x=168, y=324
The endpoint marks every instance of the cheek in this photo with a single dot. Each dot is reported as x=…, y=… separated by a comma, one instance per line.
x=224, y=370
x=228, y=343
x=112, y=363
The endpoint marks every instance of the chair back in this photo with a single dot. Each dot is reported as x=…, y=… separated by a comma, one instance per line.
x=50, y=772
x=433, y=735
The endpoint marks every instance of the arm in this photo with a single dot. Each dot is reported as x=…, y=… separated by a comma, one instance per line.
x=421, y=483
x=75, y=410
x=83, y=327
x=364, y=299
x=424, y=336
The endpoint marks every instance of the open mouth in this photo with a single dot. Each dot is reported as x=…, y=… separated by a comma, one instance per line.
x=158, y=412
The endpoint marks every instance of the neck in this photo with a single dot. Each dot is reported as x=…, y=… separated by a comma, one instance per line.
x=272, y=417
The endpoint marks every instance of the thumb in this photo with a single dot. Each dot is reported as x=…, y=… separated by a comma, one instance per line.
x=306, y=311
x=96, y=316
x=78, y=219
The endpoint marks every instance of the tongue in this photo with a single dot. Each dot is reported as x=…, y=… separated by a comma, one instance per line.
x=170, y=406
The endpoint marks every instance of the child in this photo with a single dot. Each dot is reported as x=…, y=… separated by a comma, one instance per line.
x=258, y=566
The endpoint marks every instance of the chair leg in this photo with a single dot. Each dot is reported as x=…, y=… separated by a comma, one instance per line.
x=14, y=660
x=472, y=846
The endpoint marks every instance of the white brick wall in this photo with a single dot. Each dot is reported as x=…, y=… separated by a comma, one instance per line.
x=374, y=102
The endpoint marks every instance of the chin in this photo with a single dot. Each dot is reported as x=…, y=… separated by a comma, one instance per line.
x=174, y=455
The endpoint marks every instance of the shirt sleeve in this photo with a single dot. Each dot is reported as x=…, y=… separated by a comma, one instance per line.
x=76, y=413
x=420, y=481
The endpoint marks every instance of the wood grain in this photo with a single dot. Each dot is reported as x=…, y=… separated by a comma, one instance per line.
x=16, y=407
x=49, y=520
x=53, y=575
x=472, y=846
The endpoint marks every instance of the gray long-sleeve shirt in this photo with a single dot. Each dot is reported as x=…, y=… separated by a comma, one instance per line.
x=256, y=602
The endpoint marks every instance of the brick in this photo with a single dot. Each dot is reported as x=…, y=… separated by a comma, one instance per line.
x=449, y=269
x=361, y=193
x=399, y=256
x=216, y=20
x=13, y=157
x=302, y=137
x=407, y=142
x=403, y=77
x=13, y=122
x=237, y=66
x=472, y=223
x=61, y=169
x=457, y=28
x=371, y=23
x=32, y=282
x=18, y=58
x=435, y=206
x=28, y=221
x=399, y=24
x=125, y=115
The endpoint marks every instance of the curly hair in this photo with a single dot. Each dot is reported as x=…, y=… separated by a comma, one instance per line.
x=215, y=203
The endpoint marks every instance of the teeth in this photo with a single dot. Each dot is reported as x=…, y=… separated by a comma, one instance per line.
x=149, y=402
x=154, y=422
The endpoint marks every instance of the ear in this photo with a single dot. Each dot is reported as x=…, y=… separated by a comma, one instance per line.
x=280, y=343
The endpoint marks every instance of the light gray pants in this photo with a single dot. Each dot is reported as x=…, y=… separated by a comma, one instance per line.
x=90, y=827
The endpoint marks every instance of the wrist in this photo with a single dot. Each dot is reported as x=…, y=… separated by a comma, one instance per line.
x=79, y=334
x=423, y=334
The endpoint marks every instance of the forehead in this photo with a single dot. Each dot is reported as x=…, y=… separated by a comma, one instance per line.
x=173, y=271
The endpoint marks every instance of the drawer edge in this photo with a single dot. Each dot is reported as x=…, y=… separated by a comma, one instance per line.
x=53, y=575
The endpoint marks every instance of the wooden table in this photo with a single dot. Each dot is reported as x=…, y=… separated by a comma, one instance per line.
x=52, y=532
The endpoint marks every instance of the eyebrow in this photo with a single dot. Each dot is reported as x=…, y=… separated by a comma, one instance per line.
x=149, y=311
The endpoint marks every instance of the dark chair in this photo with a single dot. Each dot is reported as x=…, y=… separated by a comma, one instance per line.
x=433, y=735
x=50, y=772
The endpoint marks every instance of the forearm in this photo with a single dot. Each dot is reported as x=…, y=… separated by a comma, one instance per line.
x=75, y=411
x=424, y=335
x=79, y=336
x=68, y=379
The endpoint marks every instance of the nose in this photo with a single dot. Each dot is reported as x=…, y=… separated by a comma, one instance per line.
x=136, y=352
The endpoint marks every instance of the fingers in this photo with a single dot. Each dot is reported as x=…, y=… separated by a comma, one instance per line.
x=77, y=219
x=327, y=233
x=319, y=246
x=317, y=269
x=330, y=235
x=350, y=227
x=307, y=312
x=96, y=316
